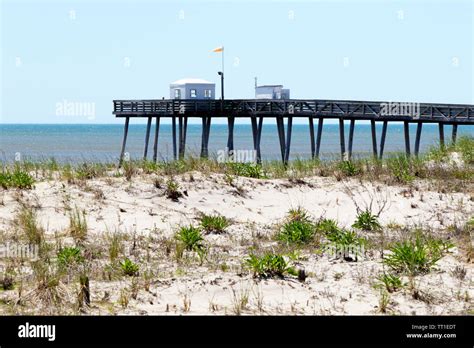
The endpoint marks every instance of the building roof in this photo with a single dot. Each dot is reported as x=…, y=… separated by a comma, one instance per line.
x=192, y=81
x=270, y=86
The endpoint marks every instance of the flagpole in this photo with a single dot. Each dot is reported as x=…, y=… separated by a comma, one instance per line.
x=222, y=72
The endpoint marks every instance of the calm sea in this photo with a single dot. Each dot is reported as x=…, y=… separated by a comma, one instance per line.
x=87, y=142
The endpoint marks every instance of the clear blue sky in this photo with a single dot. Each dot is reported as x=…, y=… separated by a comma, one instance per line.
x=97, y=51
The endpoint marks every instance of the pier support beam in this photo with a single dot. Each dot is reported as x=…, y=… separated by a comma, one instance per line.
x=406, y=128
x=173, y=134
x=351, y=137
x=155, y=144
x=281, y=136
x=341, y=138
x=230, y=138
x=382, y=139
x=318, y=136
x=288, y=138
x=419, y=126
x=206, y=128
x=257, y=135
x=311, y=137
x=374, y=138
x=147, y=137
x=441, y=135
x=124, y=141
x=454, y=133
x=183, y=126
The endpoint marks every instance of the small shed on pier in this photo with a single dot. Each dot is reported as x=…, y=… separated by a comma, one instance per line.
x=271, y=92
x=191, y=88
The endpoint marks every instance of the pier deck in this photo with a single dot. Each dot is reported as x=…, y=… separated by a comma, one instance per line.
x=256, y=110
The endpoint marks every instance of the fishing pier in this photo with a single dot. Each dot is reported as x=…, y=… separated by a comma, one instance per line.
x=284, y=111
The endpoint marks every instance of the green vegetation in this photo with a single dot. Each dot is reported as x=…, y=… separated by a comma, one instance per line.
x=391, y=282
x=394, y=168
x=129, y=268
x=345, y=238
x=214, y=223
x=16, y=179
x=191, y=238
x=367, y=221
x=400, y=167
x=26, y=221
x=78, y=225
x=250, y=170
x=69, y=256
x=269, y=265
x=349, y=168
x=172, y=190
x=415, y=255
x=298, y=228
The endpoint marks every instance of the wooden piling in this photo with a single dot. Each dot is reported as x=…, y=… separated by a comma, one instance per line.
x=351, y=137
x=155, y=144
x=419, y=127
x=230, y=138
x=180, y=137
x=406, y=128
x=288, y=138
x=454, y=133
x=341, y=137
x=206, y=128
x=318, y=136
x=259, y=137
x=311, y=136
x=173, y=132
x=374, y=138
x=147, y=137
x=281, y=136
x=124, y=141
x=185, y=132
x=253, y=122
x=441, y=135
x=382, y=139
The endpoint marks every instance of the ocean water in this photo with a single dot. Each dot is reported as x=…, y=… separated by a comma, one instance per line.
x=102, y=143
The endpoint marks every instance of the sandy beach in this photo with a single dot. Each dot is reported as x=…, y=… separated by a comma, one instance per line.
x=144, y=221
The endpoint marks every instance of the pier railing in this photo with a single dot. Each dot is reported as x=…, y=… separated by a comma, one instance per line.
x=299, y=108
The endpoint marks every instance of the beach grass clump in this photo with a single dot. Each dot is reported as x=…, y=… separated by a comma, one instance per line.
x=172, y=190
x=400, y=167
x=89, y=170
x=129, y=268
x=69, y=256
x=269, y=265
x=343, y=237
x=214, y=223
x=190, y=238
x=297, y=232
x=391, y=282
x=415, y=255
x=298, y=227
x=26, y=220
x=349, y=168
x=367, y=221
x=327, y=226
x=78, y=225
x=249, y=170
x=16, y=179
x=465, y=145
